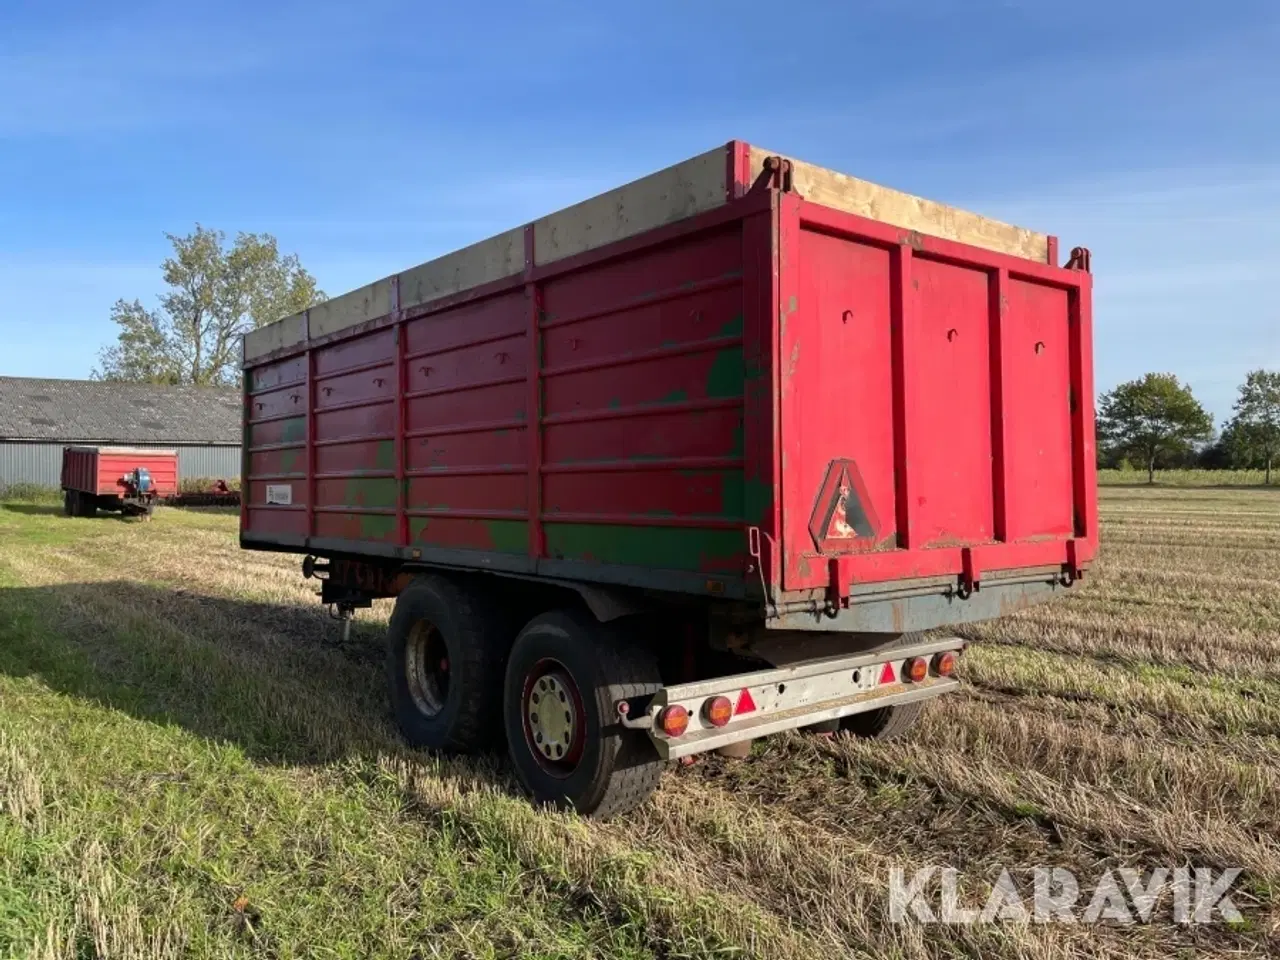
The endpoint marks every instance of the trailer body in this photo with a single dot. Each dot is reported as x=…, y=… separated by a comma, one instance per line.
x=771, y=413
x=107, y=478
x=769, y=395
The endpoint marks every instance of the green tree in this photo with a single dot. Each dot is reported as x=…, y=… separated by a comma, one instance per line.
x=215, y=295
x=1254, y=431
x=1151, y=418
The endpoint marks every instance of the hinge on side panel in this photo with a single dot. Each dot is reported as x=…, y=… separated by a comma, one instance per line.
x=1072, y=571
x=970, y=576
x=777, y=173
x=838, y=577
x=1079, y=260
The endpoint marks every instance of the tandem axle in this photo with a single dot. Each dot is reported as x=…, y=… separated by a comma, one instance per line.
x=594, y=691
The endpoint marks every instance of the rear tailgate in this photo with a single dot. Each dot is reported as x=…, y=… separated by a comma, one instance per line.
x=936, y=411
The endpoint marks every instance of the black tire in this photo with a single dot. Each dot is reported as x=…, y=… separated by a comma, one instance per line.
x=887, y=722
x=68, y=505
x=615, y=769
x=825, y=727
x=87, y=505
x=455, y=706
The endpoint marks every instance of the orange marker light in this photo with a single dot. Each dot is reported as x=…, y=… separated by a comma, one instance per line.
x=674, y=720
x=915, y=669
x=717, y=711
x=944, y=664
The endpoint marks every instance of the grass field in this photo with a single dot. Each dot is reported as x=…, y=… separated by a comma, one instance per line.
x=193, y=764
x=1186, y=478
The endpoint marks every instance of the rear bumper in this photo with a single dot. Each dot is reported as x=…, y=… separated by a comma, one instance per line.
x=789, y=697
x=926, y=603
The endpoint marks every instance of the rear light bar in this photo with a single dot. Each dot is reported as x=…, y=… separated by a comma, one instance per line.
x=689, y=718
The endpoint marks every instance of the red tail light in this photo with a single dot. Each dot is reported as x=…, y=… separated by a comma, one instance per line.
x=717, y=711
x=915, y=669
x=674, y=720
x=944, y=664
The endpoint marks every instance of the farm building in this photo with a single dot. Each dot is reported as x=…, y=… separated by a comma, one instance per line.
x=38, y=417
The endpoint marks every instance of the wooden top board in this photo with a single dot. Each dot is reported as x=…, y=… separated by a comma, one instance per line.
x=683, y=190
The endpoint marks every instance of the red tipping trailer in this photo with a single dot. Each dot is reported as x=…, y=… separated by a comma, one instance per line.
x=696, y=459
x=116, y=478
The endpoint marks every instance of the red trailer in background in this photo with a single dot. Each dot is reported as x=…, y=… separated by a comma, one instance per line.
x=116, y=478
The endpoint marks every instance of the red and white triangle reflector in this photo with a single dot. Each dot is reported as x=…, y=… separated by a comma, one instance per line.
x=887, y=675
x=746, y=704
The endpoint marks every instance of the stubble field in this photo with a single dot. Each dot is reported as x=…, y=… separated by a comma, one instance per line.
x=193, y=764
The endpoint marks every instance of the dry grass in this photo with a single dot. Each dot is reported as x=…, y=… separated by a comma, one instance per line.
x=192, y=764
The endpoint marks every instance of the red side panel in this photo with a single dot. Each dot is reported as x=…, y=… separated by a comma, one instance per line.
x=643, y=408
x=114, y=464
x=772, y=390
x=1037, y=415
x=949, y=437
x=101, y=470
x=837, y=385
x=930, y=422
x=594, y=414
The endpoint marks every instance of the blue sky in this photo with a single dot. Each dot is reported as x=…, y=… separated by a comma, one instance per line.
x=369, y=137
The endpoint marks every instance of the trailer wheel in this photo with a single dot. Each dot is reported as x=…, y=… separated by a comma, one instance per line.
x=887, y=722
x=564, y=676
x=86, y=505
x=68, y=504
x=444, y=666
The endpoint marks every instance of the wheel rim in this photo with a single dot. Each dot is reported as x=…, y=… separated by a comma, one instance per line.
x=426, y=663
x=554, y=720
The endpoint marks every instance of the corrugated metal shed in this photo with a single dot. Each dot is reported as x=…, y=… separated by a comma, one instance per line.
x=39, y=416
x=41, y=463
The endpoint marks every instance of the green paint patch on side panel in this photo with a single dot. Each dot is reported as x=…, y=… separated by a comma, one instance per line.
x=293, y=460
x=456, y=533
x=385, y=457
x=661, y=548
x=294, y=430
x=757, y=498
x=726, y=484
x=509, y=536
x=733, y=328
x=676, y=396
x=373, y=492
x=377, y=526
x=725, y=378
x=732, y=498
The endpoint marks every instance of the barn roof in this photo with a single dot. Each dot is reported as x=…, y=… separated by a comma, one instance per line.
x=33, y=408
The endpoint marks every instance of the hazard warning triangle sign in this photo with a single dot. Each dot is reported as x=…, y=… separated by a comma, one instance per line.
x=842, y=510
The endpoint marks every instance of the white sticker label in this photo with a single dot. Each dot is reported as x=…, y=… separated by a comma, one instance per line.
x=279, y=493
